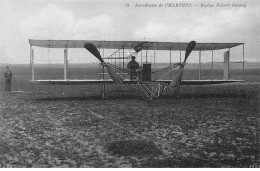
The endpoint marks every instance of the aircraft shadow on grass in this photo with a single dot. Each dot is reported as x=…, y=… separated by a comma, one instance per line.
x=209, y=95
x=132, y=97
x=94, y=97
x=144, y=148
x=134, y=148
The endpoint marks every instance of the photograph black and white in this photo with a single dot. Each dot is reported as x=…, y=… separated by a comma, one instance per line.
x=129, y=84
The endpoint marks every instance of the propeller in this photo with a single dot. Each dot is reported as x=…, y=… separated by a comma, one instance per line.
x=141, y=46
x=92, y=49
x=189, y=48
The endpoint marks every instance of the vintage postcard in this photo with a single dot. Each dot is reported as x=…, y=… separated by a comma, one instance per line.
x=129, y=84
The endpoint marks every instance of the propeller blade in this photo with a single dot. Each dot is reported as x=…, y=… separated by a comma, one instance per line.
x=189, y=48
x=92, y=49
x=141, y=46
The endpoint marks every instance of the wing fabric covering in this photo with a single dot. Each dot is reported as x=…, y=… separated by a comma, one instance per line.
x=92, y=49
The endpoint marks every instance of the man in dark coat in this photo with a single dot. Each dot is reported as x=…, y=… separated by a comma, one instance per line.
x=8, y=79
x=133, y=66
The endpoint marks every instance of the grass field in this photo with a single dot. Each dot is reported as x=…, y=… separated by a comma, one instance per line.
x=91, y=71
x=71, y=126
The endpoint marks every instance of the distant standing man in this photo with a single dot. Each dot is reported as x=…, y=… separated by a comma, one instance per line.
x=8, y=79
x=133, y=66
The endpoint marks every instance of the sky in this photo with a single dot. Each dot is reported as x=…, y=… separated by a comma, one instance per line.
x=126, y=20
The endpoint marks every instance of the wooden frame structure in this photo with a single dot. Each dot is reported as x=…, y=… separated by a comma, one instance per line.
x=129, y=45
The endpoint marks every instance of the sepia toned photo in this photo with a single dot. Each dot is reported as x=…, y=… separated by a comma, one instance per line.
x=129, y=84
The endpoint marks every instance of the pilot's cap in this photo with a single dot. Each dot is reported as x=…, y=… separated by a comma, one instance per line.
x=133, y=57
x=7, y=67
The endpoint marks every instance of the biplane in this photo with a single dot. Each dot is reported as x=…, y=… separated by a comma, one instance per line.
x=148, y=83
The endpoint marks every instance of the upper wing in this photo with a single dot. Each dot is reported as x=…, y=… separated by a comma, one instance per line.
x=130, y=44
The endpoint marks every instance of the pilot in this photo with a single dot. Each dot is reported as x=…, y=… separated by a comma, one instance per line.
x=133, y=66
x=8, y=79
